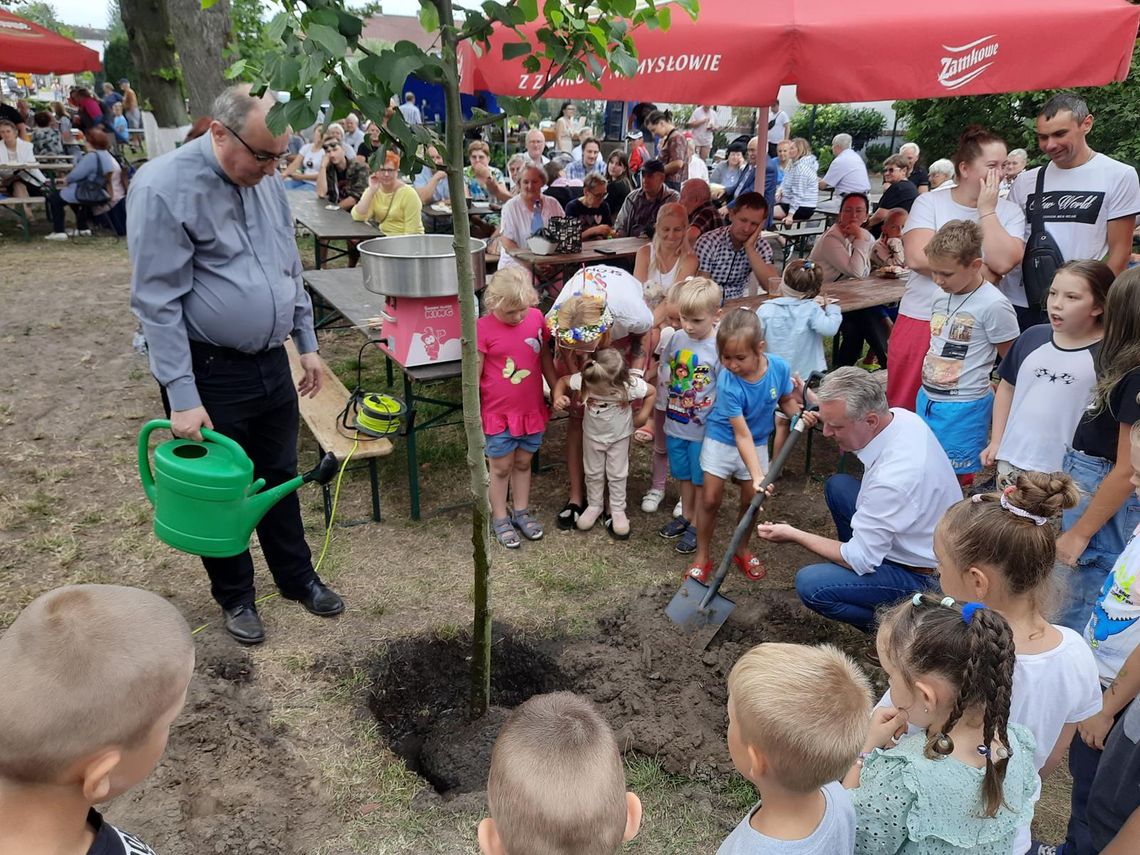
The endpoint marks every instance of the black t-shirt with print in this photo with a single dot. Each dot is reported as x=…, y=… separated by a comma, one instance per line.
x=111, y=841
x=1097, y=434
x=590, y=217
x=919, y=176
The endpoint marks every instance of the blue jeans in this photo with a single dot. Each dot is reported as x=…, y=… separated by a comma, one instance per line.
x=842, y=594
x=1083, y=763
x=1083, y=583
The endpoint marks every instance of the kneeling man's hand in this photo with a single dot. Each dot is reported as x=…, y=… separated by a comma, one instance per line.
x=777, y=532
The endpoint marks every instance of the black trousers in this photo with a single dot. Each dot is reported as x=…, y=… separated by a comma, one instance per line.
x=252, y=400
x=56, y=207
x=862, y=325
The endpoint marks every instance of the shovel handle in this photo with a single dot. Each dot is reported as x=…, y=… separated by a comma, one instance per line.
x=753, y=506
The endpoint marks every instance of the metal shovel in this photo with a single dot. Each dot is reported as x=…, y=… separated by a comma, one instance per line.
x=700, y=611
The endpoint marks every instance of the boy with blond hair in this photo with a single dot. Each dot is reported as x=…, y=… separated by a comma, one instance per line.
x=692, y=361
x=557, y=786
x=971, y=324
x=92, y=676
x=797, y=717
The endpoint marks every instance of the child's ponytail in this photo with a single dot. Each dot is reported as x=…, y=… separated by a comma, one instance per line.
x=804, y=277
x=972, y=648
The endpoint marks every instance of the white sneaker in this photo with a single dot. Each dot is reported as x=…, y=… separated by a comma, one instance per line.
x=56, y=236
x=677, y=509
x=652, y=501
x=84, y=232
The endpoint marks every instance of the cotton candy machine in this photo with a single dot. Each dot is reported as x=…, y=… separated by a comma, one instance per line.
x=416, y=274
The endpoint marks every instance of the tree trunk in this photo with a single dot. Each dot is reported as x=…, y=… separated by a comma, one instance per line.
x=152, y=48
x=472, y=423
x=201, y=36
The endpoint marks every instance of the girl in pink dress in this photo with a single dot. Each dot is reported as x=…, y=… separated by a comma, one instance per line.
x=513, y=359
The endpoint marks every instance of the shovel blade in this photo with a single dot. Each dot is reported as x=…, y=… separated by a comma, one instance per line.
x=699, y=624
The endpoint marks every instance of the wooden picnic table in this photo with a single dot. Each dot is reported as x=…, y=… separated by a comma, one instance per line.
x=327, y=225
x=439, y=211
x=851, y=294
x=592, y=252
x=342, y=292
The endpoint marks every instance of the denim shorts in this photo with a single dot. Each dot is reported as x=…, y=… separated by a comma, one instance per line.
x=502, y=444
x=685, y=459
x=723, y=461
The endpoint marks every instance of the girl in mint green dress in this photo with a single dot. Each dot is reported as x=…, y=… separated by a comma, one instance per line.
x=965, y=780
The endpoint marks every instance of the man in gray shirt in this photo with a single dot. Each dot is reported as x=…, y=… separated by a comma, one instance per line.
x=217, y=287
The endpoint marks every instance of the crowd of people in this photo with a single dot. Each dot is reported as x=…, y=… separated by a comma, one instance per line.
x=1006, y=645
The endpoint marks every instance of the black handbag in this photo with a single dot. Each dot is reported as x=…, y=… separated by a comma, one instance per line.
x=1042, y=255
x=93, y=191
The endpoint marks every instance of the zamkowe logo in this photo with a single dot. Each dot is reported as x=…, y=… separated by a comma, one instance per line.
x=967, y=61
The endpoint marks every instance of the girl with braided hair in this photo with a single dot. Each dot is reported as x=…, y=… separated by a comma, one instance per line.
x=966, y=780
x=1000, y=549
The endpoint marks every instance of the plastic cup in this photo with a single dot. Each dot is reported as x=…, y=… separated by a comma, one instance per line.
x=774, y=285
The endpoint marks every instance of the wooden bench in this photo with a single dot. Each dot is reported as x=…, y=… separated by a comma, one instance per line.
x=799, y=236
x=15, y=207
x=322, y=416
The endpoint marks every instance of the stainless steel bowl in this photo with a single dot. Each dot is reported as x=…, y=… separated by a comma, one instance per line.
x=417, y=265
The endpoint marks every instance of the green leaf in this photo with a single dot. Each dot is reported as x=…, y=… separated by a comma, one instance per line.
x=429, y=16
x=322, y=16
x=277, y=119
x=276, y=28
x=333, y=43
x=350, y=25
x=286, y=75
x=664, y=18
x=513, y=50
x=532, y=64
x=300, y=113
x=208, y=4
x=236, y=70
x=529, y=8
x=622, y=62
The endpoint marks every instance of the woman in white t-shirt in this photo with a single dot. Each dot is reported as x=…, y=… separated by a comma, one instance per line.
x=668, y=258
x=999, y=549
x=978, y=163
x=301, y=174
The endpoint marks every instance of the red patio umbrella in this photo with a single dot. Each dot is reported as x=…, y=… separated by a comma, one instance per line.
x=837, y=51
x=30, y=49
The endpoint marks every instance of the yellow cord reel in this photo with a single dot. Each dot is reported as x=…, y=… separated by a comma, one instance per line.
x=379, y=415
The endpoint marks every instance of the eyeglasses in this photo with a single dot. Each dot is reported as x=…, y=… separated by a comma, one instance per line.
x=259, y=156
x=386, y=169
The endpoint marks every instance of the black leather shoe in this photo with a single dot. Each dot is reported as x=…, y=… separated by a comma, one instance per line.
x=320, y=600
x=244, y=624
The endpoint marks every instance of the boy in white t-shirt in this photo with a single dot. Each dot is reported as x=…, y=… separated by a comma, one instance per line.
x=1090, y=201
x=968, y=327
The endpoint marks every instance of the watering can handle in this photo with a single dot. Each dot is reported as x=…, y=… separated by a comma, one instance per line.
x=208, y=435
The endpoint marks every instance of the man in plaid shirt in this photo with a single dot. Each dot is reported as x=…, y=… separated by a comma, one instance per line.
x=591, y=162
x=729, y=254
x=703, y=213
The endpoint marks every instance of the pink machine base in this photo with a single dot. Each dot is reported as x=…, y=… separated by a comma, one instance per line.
x=422, y=330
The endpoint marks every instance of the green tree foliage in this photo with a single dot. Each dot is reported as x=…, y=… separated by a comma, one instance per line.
x=319, y=58
x=936, y=124
x=117, y=60
x=249, y=39
x=864, y=124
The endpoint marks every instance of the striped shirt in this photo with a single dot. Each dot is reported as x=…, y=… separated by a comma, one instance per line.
x=801, y=185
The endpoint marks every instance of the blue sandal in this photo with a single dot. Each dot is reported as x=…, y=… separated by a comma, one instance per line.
x=505, y=532
x=528, y=526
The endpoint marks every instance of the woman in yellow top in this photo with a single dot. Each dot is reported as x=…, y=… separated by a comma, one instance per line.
x=394, y=205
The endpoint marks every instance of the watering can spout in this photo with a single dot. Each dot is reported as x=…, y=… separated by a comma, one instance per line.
x=259, y=503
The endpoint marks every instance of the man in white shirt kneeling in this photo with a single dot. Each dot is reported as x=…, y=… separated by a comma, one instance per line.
x=885, y=523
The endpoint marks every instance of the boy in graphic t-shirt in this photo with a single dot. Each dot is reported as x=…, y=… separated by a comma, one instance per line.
x=1090, y=201
x=971, y=323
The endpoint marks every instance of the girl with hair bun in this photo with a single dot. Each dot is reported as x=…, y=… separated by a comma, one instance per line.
x=977, y=164
x=951, y=670
x=1095, y=532
x=999, y=549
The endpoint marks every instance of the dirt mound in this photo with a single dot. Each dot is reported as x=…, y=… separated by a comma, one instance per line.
x=227, y=782
x=663, y=698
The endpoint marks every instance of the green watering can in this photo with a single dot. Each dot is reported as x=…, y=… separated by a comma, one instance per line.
x=205, y=499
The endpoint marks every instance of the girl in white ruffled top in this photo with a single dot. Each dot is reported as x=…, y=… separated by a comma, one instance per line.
x=967, y=780
x=668, y=258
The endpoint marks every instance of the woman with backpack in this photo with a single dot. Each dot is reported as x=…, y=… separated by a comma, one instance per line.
x=91, y=184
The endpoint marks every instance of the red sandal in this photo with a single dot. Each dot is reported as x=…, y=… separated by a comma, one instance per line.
x=751, y=566
x=700, y=572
